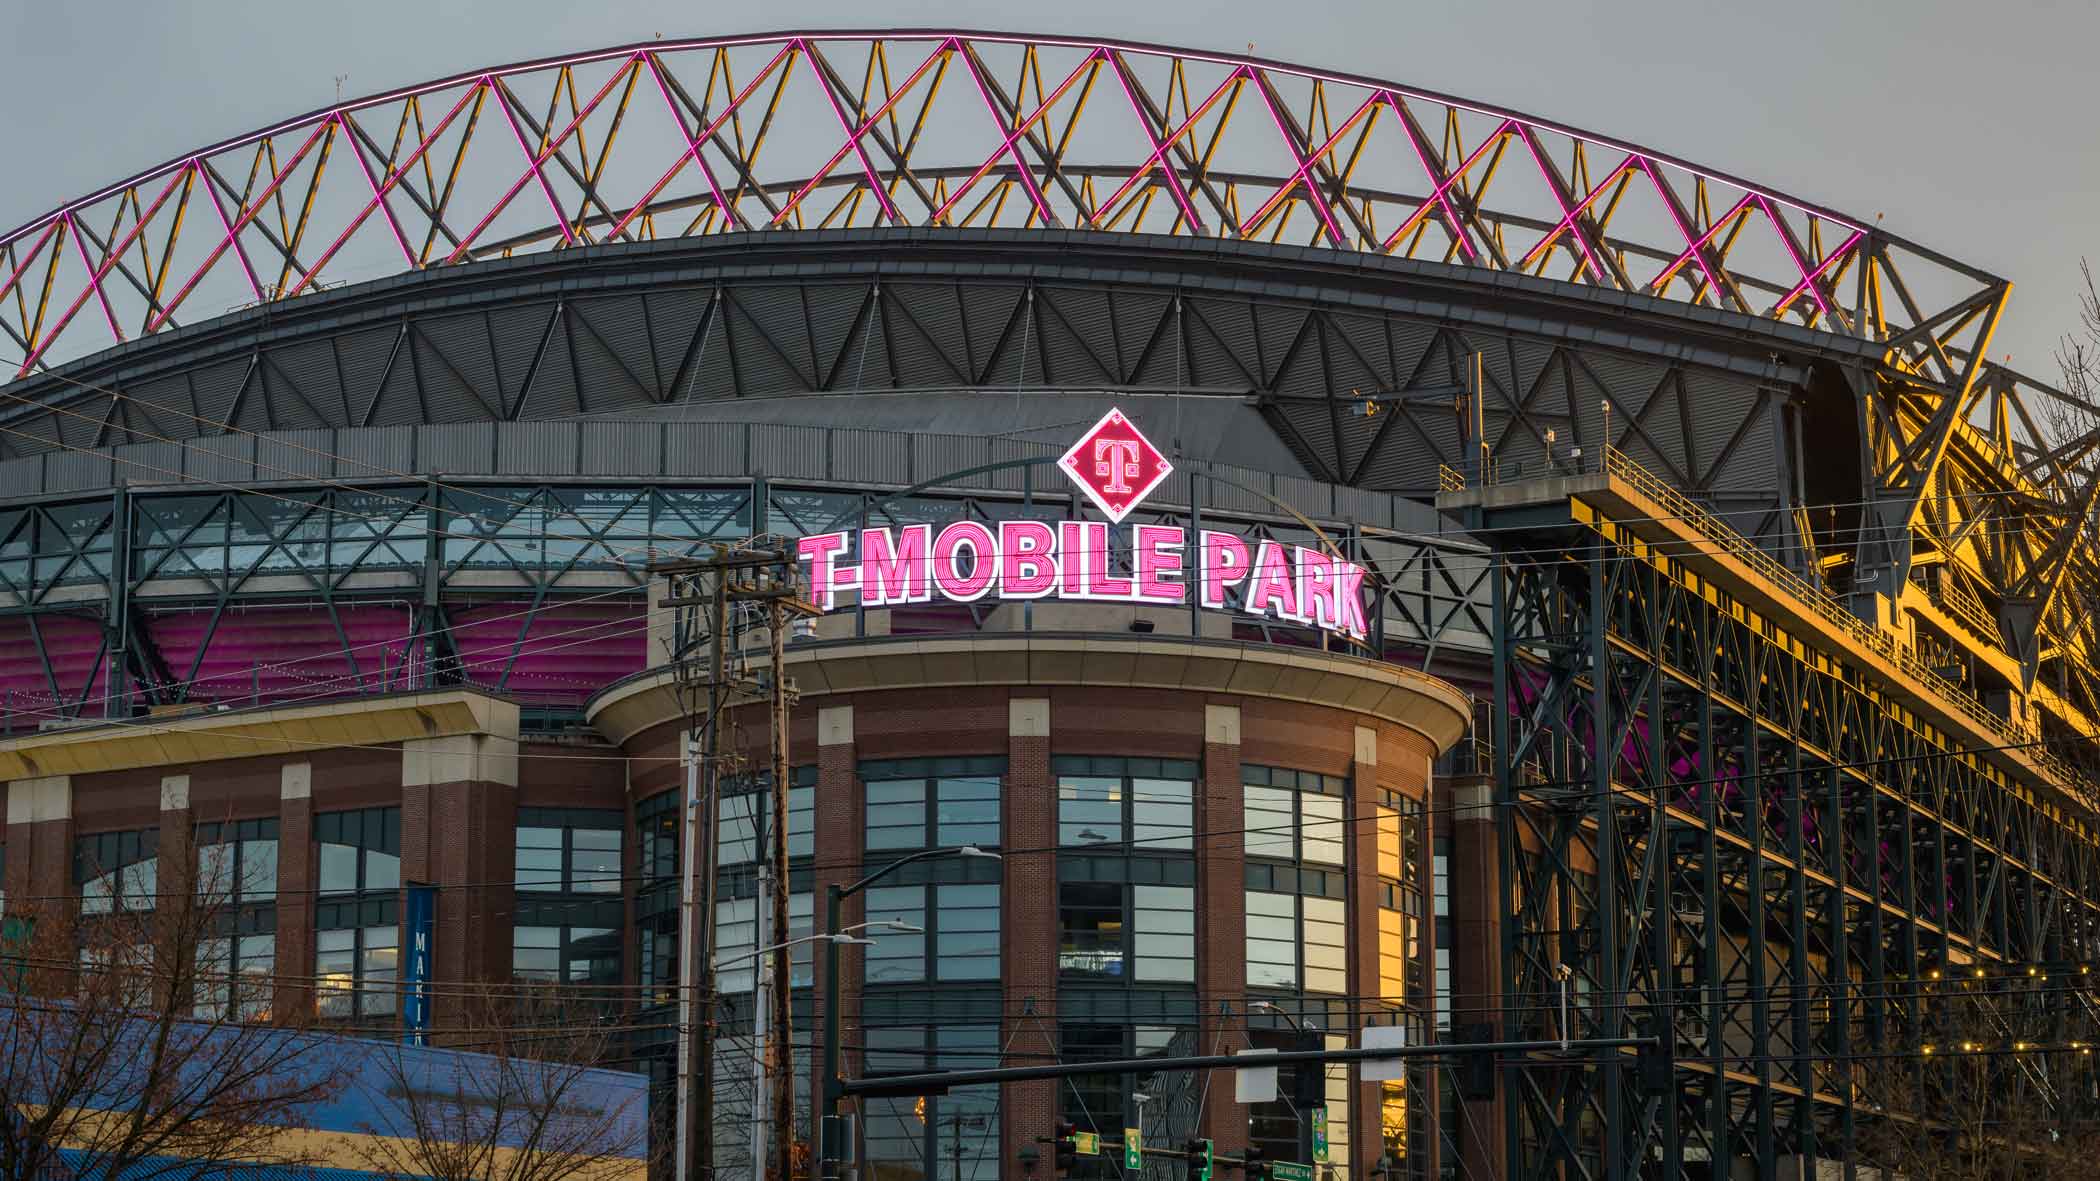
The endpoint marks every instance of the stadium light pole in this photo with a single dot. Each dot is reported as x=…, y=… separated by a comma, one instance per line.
x=829, y=1092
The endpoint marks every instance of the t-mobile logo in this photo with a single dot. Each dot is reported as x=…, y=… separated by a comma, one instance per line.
x=1116, y=460
x=1115, y=465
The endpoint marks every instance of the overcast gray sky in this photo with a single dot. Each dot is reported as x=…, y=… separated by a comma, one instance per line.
x=1971, y=126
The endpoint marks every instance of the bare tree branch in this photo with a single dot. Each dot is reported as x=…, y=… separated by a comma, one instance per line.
x=534, y=1108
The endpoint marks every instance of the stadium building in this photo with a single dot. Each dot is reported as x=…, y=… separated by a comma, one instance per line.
x=1533, y=587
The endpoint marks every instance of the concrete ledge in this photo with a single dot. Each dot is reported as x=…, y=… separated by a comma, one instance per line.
x=32, y=801
x=246, y=734
x=1436, y=709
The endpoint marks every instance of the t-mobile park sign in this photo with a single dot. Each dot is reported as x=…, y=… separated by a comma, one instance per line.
x=1116, y=466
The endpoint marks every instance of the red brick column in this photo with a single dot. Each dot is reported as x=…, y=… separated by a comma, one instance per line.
x=1221, y=920
x=294, y=997
x=1366, y=825
x=39, y=844
x=1476, y=962
x=40, y=873
x=839, y=825
x=177, y=856
x=1028, y=930
x=459, y=820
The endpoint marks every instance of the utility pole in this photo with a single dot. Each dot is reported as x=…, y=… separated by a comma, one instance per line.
x=696, y=585
x=779, y=1055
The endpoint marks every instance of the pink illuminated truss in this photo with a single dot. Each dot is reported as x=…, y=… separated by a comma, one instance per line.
x=954, y=130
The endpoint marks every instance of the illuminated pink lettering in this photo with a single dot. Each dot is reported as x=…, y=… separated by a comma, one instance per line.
x=826, y=580
x=1224, y=567
x=1349, y=597
x=1272, y=587
x=1116, y=460
x=1159, y=564
x=1027, y=559
x=1098, y=580
x=1072, y=558
x=896, y=571
x=1316, y=587
x=958, y=539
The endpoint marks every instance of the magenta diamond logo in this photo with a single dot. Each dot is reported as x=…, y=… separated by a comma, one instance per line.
x=1116, y=465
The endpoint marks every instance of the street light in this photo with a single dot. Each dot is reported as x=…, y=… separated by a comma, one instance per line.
x=834, y=940
x=1304, y=1098
x=834, y=894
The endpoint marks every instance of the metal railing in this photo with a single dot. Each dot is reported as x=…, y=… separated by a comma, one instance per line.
x=1618, y=465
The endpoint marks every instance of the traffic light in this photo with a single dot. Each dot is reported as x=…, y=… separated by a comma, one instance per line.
x=1065, y=1152
x=1199, y=1154
x=1257, y=1164
x=1309, y=1079
x=1476, y=1069
x=1655, y=1070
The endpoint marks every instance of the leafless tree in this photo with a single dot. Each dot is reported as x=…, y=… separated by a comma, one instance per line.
x=532, y=1105
x=115, y=1059
x=1981, y=1104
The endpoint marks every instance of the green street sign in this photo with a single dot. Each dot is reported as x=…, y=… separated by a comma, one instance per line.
x=1134, y=1151
x=1290, y=1170
x=1086, y=1143
x=1319, y=1122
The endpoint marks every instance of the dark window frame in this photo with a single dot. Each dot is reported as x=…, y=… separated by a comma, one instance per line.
x=569, y=822
x=931, y=773
x=1128, y=771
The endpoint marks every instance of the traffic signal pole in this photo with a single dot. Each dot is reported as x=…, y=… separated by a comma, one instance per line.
x=1649, y=1051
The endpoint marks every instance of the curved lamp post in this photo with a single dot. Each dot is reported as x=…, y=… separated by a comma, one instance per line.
x=828, y=1079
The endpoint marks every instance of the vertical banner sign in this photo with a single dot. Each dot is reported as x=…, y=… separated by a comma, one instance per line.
x=422, y=920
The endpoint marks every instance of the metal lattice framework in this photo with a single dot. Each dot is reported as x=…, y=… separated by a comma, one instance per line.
x=941, y=129
x=1717, y=826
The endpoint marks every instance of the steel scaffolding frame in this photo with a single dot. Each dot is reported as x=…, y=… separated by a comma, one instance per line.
x=1776, y=860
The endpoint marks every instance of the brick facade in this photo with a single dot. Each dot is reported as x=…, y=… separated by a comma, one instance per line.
x=459, y=796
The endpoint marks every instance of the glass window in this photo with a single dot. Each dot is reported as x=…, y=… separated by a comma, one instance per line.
x=594, y=860
x=1326, y=945
x=360, y=850
x=1090, y=928
x=566, y=955
x=355, y=970
x=656, y=828
x=539, y=858
x=932, y=803
x=338, y=869
x=1272, y=940
x=1271, y=823
x=967, y=811
x=1322, y=829
x=1106, y=1103
x=1443, y=987
x=746, y=812
x=1163, y=919
x=236, y=988
x=960, y=940
x=950, y=1137
x=1089, y=810
x=1392, y=959
x=568, y=850
x=897, y=956
x=896, y=814
x=1162, y=813
x=237, y=861
x=117, y=871
x=535, y=953
x=1388, y=822
x=736, y=932
x=966, y=926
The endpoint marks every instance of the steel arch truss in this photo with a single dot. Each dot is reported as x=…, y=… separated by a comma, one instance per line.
x=1713, y=828
x=939, y=129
